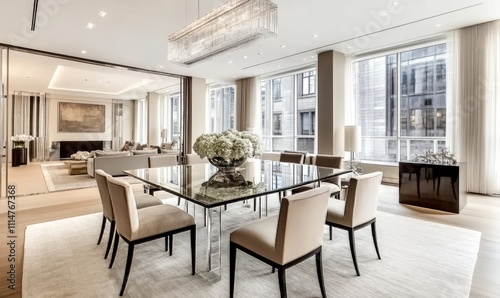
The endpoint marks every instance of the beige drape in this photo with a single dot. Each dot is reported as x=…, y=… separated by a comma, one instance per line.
x=475, y=110
x=247, y=105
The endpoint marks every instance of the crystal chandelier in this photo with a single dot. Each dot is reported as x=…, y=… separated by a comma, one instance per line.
x=234, y=24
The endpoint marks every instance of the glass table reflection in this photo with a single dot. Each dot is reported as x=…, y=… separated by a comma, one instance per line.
x=204, y=186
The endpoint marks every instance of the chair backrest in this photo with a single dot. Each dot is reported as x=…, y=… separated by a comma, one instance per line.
x=292, y=157
x=193, y=158
x=362, y=198
x=301, y=223
x=124, y=207
x=102, y=185
x=275, y=156
x=330, y=161
x=162, y=160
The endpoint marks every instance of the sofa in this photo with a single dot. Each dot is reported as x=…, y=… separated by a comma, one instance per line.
x=115, y=162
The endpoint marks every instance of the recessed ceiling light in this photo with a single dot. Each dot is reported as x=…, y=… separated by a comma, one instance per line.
x=90, y=25
x=245, y=57
x=279, y=65
x=438, y=25
x=395, y=3
x=303, y=58
x=312, y=57
x=102, y=13
x=83, y=52
x=230, y=61
x=161, y=66
x=282, y=46
x=315, y=35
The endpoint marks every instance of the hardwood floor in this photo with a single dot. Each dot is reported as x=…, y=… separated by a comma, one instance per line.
x=482, y=213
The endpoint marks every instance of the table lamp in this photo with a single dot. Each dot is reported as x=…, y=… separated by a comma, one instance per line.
x=352, y=142
x=164, y=134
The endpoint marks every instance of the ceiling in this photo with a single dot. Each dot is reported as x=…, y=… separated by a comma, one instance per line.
x=135, y=33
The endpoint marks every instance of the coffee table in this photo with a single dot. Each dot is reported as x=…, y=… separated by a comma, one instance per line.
x=76, y=167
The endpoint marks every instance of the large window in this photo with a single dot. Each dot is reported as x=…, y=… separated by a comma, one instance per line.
x=170, y=117
x=222, y=108
x=288, y=111
x=401, y=103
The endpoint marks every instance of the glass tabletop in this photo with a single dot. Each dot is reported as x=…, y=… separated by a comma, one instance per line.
x=204, y=185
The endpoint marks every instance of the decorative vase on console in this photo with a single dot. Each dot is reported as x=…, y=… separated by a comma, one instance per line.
x=19, y=141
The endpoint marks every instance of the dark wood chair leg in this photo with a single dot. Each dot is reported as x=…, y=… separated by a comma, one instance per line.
x=232, y=268
x=374, y=235
x=103, y=226
x=319, y=269
x=178, y=201
x=193, y=250
x=130, y=255
x=282, y=282
x=331, y=232
x=110, y=240
x=115, y=249
x=353, y=250
x=171, y=244
x=166, y=243
x=254, y=204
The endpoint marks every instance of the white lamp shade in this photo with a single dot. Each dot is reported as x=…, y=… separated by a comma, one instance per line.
x=352, y=141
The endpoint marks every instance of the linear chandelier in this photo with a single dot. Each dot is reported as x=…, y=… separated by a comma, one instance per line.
x=234, y=24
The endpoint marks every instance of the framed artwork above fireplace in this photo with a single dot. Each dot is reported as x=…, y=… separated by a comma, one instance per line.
x=81, y=117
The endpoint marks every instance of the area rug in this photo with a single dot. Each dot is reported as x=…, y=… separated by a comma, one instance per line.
x=57, y=178
x=419, y=259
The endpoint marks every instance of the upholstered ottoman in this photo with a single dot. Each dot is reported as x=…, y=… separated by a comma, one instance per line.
x=76, y=167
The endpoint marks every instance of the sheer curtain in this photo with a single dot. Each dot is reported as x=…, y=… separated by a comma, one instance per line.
x=247, y=105
x=475, y=117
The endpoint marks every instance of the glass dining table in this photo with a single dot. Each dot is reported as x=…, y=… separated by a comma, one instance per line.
x=205, y=186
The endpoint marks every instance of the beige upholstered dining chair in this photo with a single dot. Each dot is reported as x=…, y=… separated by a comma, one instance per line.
x=358, y=210
x=136, y=226
x=292, y=157
x=142, y=201
x=158, y=161
x=192, y=158
x=287, y=239
x=329, y=161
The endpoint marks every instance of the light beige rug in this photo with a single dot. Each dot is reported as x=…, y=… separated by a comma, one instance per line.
x=419, y=259
x=57, y=178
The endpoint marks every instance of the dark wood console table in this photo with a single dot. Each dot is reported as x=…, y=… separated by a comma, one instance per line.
x=441, y=187
x=19, y=156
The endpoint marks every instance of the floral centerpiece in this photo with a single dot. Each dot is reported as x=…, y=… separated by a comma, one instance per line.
x=20, y=140
x=80, y=155
x=228, y=149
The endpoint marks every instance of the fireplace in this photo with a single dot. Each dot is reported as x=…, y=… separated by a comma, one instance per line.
x=69, y=147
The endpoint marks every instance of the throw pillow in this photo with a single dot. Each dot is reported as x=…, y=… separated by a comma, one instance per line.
x=145, y=152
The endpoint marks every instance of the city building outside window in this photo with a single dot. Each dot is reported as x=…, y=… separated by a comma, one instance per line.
x=289, y=123
x=222, y=108
x=401, y=103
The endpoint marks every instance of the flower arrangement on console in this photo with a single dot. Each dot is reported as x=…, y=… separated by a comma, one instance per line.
x=228, y=146
x=20, y=140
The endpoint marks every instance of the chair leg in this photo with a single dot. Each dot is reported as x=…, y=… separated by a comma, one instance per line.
x=331, y=232
x=319, y=269
x=178, y=201
x=110, y=240
x=232, y=268
x=115, y=249
x=130, y=255
x=353, y=250
x=374, y=235
x=103, y=226
x=193, y=250
x=254, y=204
x=166, y=243
x=282, y=282
x=171, y=243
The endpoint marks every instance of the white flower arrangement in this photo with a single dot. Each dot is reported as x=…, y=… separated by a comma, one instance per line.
x=229, y=145
x=80, y=155
x=22, y=138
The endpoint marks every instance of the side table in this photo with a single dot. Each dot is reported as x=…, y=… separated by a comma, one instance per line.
x=19, y=156
x=76, y=167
